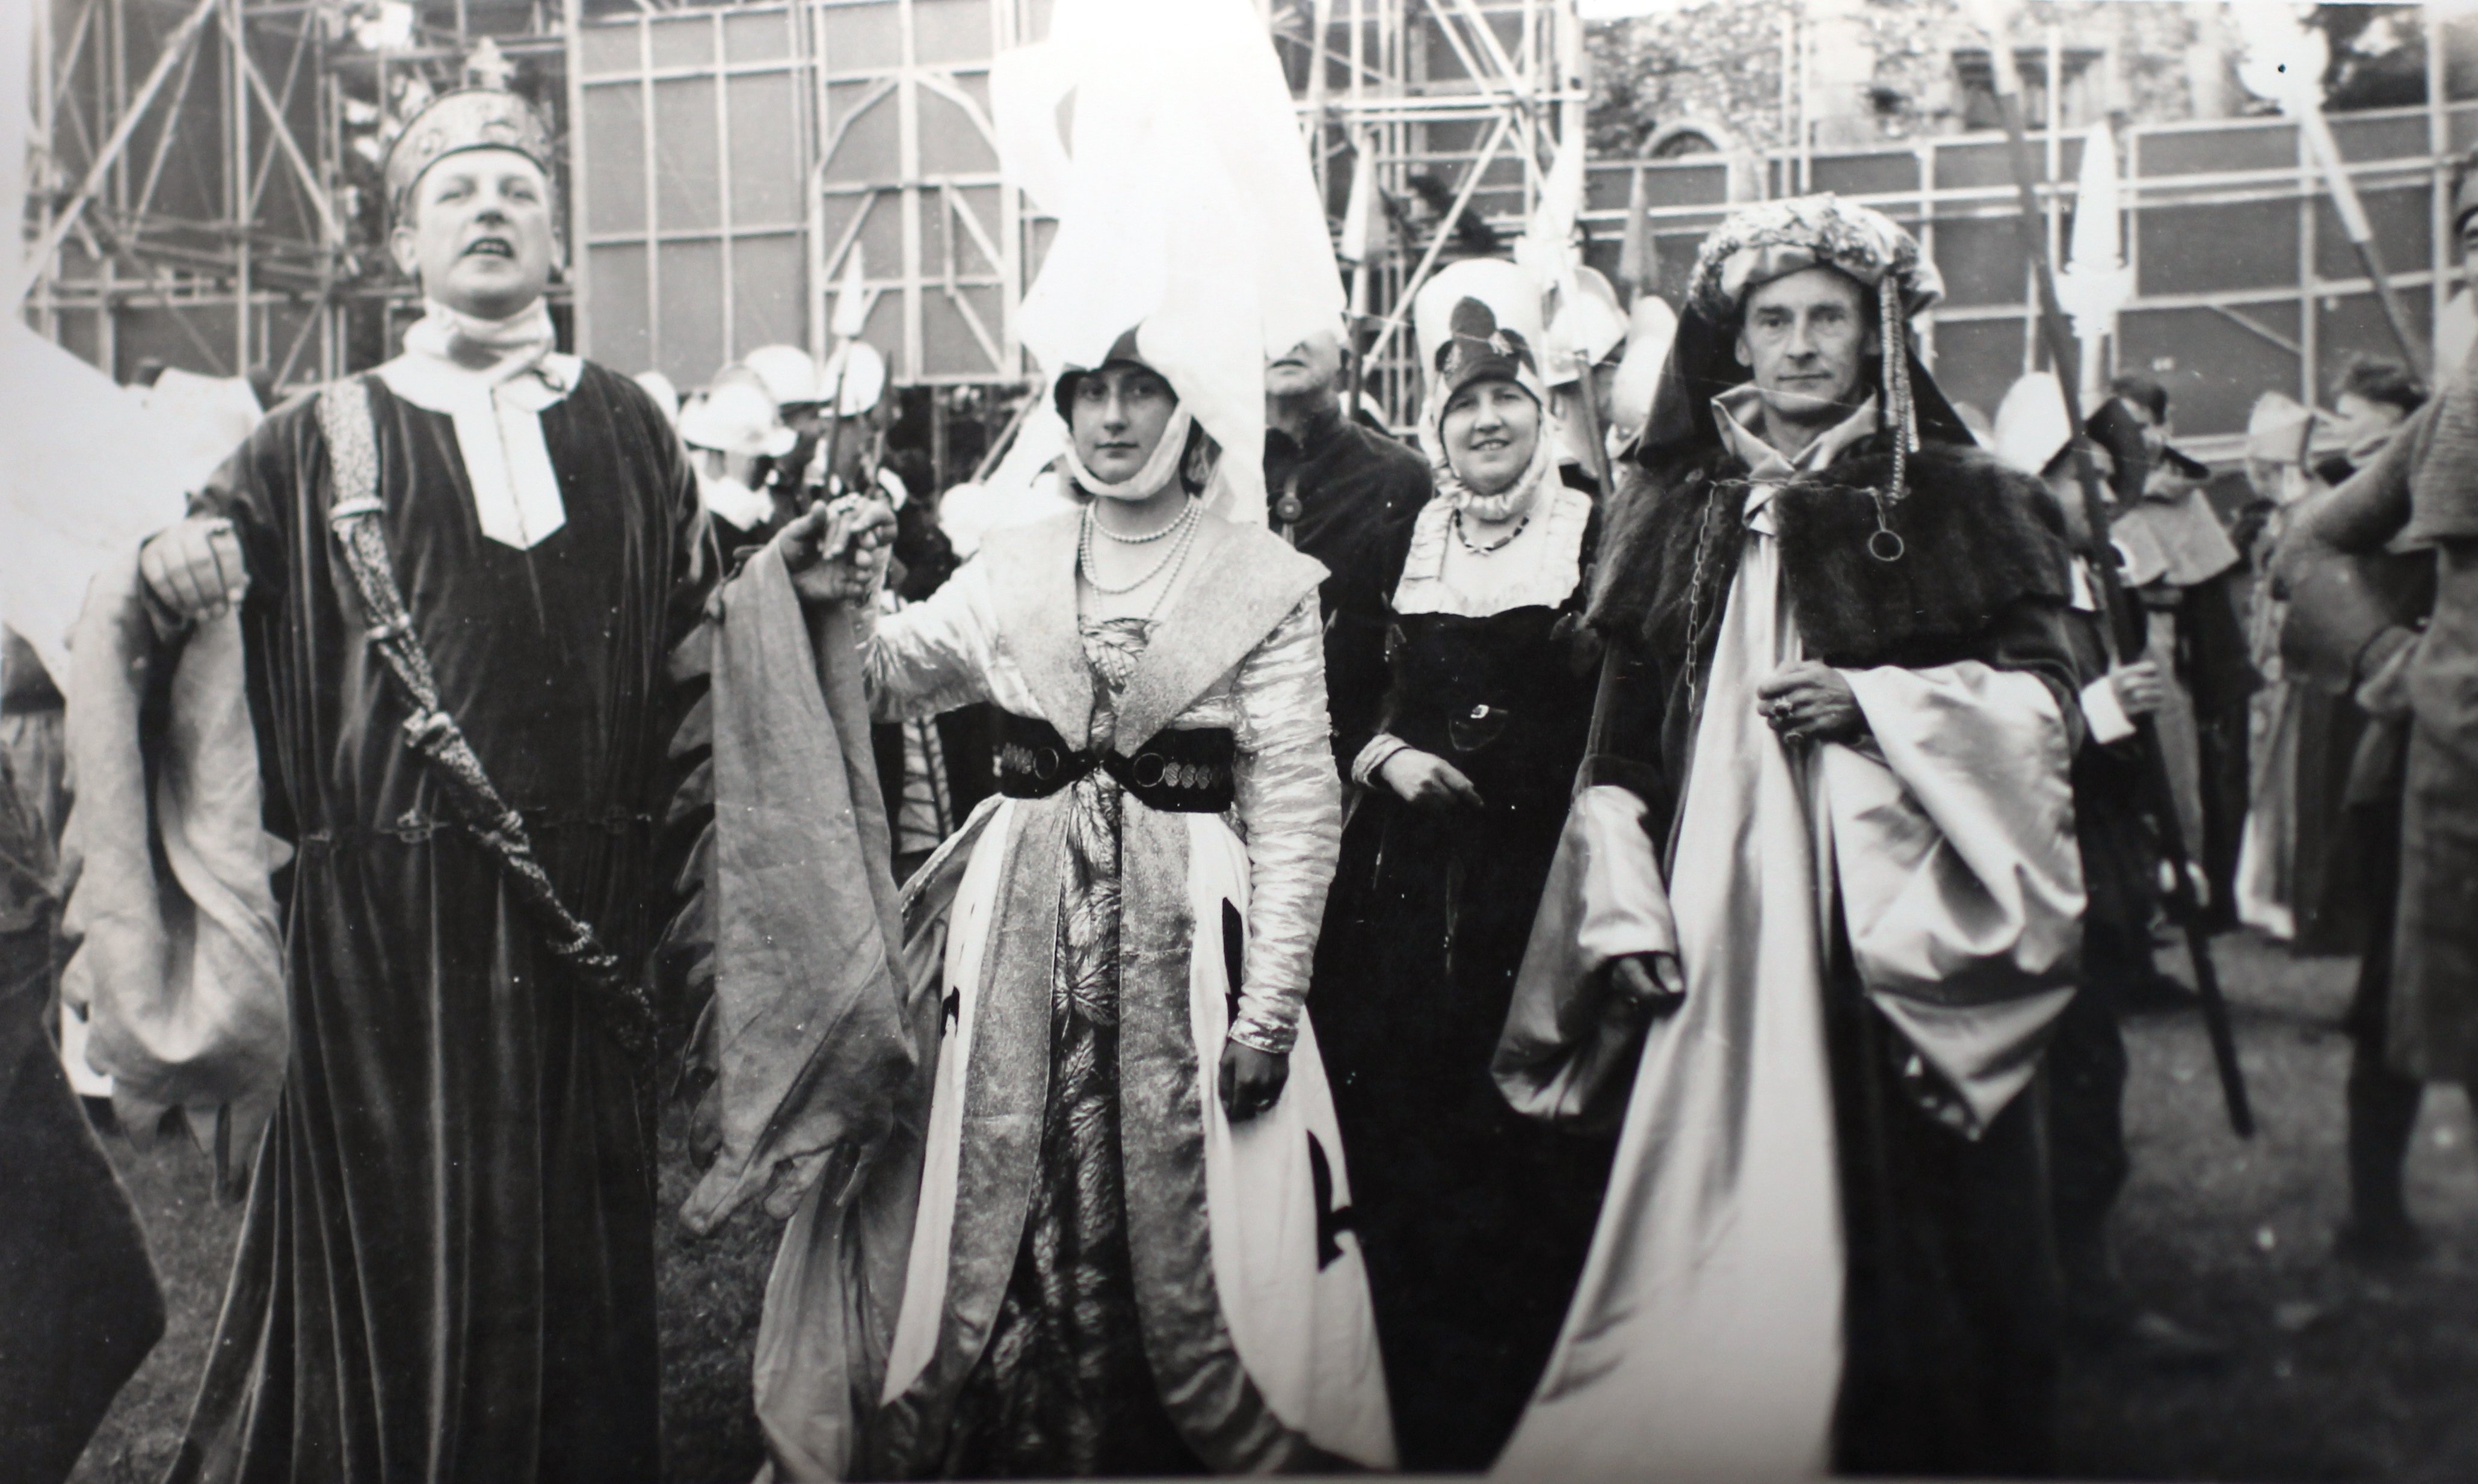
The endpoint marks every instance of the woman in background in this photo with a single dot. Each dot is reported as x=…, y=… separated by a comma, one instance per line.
x=1477, y=1221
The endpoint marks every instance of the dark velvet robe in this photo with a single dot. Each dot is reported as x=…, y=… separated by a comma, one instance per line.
x=447, y=1271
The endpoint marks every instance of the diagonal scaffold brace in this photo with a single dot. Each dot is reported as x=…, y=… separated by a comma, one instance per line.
x=2123, y=615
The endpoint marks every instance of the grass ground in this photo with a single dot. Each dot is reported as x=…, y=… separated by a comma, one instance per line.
x=2338, y=1375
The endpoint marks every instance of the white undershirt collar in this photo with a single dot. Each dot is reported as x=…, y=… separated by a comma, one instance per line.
x=497, y=409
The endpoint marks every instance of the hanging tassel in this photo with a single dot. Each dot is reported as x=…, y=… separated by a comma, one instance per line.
x=1885, y=543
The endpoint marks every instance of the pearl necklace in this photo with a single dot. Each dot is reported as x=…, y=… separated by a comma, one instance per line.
x=1495, y=547
x=1186, y=524
x=1173, y=524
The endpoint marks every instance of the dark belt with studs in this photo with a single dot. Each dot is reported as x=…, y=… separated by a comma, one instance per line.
x=1178, y=770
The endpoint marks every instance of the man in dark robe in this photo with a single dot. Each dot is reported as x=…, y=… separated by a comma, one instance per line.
x=447, y=1271
x=1835, y=655
x=1346, y=495
x=2086, y=1063
x=2162, y=507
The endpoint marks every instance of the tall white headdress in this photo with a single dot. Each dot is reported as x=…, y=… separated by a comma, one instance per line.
x=1184, y=202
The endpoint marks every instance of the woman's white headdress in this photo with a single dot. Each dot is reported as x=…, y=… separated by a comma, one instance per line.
x=1185, y=208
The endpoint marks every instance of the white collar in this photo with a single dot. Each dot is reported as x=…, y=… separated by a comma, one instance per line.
x=525, y=371
x=498, y=411
x=1539, y=567
x=729, y=499
x=1734, y=411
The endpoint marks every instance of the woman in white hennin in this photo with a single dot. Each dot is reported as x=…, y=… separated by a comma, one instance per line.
x=1120, y=1242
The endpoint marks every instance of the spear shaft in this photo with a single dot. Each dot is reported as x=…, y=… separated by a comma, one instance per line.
x=2125, y=614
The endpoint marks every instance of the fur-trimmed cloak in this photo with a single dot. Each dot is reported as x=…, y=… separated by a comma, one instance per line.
x=1984, y=553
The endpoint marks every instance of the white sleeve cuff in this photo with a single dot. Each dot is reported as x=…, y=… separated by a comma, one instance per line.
x=1626, y=903
x=1383, y=745
x=2109, y=722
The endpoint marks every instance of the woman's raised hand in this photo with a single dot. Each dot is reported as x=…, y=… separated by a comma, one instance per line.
x=836, y=552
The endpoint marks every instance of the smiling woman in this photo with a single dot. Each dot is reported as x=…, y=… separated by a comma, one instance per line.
x=1475, y=1223
x=1491, y=429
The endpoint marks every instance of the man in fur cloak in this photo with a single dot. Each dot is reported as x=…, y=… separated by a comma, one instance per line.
x=1823, y=843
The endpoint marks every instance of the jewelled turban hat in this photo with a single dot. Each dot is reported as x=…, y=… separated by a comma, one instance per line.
x=1776, y=239
x=472, y=119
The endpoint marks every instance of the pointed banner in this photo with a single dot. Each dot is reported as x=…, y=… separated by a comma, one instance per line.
x=1358, y=223
x=1546, y=250
x=1636, y=268
x=851, y=295
x=2096, y=282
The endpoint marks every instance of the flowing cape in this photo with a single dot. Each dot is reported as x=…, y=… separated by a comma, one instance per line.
x=805, y=1030
x=1705, y=1335
x=177, y=957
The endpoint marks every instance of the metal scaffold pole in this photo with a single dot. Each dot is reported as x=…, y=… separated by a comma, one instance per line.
x=194, y=196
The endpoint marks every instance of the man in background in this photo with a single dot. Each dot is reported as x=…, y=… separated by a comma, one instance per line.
x=2161, y=507
x=1346, y=495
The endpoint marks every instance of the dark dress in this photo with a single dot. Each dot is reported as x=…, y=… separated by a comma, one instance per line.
x=1475, y=1221
x=446, y=1270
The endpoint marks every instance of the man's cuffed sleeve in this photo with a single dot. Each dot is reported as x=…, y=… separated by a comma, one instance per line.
x=2104, y=713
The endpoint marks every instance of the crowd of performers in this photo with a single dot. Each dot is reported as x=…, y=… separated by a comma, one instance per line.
x=1362, y=954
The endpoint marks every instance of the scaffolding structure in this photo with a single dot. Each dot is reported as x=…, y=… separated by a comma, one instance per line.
x=877, y=140
x=1474, y=95
x=203, y=176
x=204, y=187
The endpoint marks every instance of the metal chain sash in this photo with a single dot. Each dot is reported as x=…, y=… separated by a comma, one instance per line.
x=352, y=452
